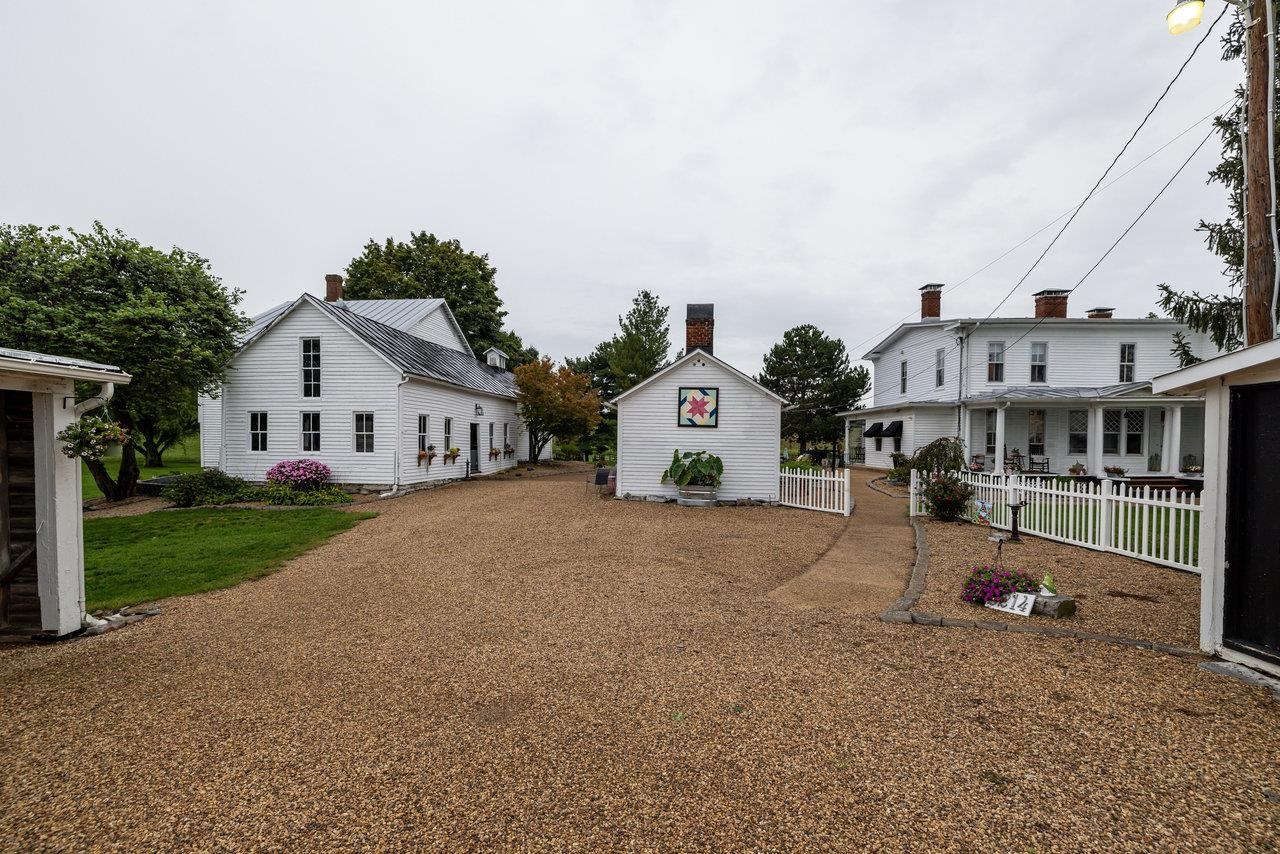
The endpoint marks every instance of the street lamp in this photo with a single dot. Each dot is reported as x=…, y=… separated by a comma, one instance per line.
x=1186, y=15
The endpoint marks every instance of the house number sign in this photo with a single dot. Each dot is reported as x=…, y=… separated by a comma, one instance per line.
x=1015, y=603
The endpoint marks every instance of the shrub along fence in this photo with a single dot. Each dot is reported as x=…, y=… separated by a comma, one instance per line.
x=1157, y=525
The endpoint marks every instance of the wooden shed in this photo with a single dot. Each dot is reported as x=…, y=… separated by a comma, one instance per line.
x=1239, y=537
x=41, y=536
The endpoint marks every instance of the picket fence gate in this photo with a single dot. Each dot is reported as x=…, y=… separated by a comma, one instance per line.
x=830, y=492
x=1157, y=525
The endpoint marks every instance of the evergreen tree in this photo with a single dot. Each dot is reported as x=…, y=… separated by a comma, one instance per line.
x=641, y=349
x=814, y=374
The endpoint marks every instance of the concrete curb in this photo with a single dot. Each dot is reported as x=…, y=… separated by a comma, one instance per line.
x=900, y=612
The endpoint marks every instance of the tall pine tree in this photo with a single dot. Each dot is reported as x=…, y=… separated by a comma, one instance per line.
x=814, y=374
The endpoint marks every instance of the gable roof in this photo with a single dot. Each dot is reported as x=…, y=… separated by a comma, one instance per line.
x=404, y=314
x=958, y=322
x=413, y=355
x=698, y=351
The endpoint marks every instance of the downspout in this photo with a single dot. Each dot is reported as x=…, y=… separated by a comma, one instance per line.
x=106, y=391
x=395, y=459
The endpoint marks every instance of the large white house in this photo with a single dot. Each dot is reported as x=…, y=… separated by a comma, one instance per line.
x=699, y=403
x=366, y=387
x=1045, y=392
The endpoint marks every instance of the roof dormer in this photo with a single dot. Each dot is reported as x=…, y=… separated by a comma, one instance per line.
x=496, y=358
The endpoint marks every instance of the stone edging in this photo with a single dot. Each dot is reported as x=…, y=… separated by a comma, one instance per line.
x=872, y=483
x=900, y=612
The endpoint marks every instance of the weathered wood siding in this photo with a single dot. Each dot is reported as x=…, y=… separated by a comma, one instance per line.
x=266, y=376
x=747, y=438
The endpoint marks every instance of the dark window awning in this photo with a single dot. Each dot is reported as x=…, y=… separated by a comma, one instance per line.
x=874, y=430
x=893, y=431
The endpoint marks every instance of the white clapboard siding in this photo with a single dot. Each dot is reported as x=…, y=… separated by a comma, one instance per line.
x=436, y=327
x=830, y=492
x=1157, y=525
x=209, y=410
x=266, y=376
x=747, y=438
x=438, y=401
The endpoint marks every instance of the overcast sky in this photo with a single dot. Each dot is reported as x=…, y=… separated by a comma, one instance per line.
x=791, y=162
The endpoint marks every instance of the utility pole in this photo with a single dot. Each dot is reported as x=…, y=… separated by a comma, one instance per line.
x=1260, y=259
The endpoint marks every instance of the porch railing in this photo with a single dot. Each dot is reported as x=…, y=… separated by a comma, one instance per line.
x=1157, y=525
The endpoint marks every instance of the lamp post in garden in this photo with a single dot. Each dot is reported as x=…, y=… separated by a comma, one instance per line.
x=1261, y=243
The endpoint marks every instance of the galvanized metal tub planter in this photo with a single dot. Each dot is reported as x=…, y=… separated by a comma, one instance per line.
x=697, y=496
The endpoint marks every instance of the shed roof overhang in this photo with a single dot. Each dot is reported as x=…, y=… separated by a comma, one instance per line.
x=892, y=430
x=856, y=414
x=43, y=364
x=1127, y=393
x=876, y=429
x=1196, y=377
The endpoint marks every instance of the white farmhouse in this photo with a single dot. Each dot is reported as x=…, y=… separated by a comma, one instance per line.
x=699, y=403
x=370, y=388
x=1239, y=538
x=1043, y=393
x=41, y=536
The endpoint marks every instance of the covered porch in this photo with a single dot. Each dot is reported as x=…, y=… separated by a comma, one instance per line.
x=1103, y=430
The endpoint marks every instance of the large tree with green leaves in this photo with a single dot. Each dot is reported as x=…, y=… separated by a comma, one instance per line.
x=100, y=295
x=641, y=346
x=557, y=402
x=1219, y=315
x=815, y=376
x=427, y=267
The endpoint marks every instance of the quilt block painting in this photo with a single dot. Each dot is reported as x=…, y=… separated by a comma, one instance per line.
x=698, y=407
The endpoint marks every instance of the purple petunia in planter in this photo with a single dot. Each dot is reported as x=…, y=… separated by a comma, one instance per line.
x=299, y=474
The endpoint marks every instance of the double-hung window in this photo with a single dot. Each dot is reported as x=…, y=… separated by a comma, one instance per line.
x=490, y=435
x=1035, y=432
x=991, y=432
x=424, y=432
x=364, y=432
x=311, y=431
x=1128, y=362
x=1039, y=361
x=506, y=434
x=310, y=367
x=1078, y=431
x=995, y=361
x=1123, y=431
x=257, y=431
x=940, y=367
x=448, y=434
x=902, y=381
x=1135, y=426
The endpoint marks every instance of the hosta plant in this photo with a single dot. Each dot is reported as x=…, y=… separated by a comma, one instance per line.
x=995, y=583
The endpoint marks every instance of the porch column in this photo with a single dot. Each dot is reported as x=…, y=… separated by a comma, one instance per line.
x=1173, y=430
x=1095, y=440
x=999, y=461
x=966, y=421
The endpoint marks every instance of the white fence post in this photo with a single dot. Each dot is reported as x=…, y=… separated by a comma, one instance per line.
x=913, y=492
x=848, y=488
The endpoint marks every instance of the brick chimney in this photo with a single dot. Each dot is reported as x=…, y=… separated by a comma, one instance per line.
x=1051, y=303
x=1099, y=313
x=699, y=327
x=332, y=288
x=931, y=301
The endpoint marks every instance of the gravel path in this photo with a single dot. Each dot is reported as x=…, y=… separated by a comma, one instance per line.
x=521, y=665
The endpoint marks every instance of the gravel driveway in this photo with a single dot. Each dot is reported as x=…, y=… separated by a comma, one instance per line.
x=521, y=665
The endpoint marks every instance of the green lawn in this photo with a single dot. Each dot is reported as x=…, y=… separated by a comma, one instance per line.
x=134, y=559
x=181, y=458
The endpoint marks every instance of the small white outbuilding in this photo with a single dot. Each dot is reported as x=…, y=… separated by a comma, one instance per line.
x=41, y=538
x=1239, y=534
x=699, y=403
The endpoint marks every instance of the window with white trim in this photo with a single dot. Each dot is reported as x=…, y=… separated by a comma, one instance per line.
x=940, y=367
x=257, y=431
x=1135, y=429
x=310, y=367
x=424, y=432
x=1039, y=361
x=506, y=434
x=1128, y=362
x=995, y=361
x=363, y=425
x=991, y=432
x=902, y=382
x=310, y=432
x=1078, y=431
x=490, y=435
x=448, y=434
x=1123, y=431
x=1035, y=431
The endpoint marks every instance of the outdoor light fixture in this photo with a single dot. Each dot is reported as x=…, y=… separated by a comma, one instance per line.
x=479, y=409
x=1186, y=15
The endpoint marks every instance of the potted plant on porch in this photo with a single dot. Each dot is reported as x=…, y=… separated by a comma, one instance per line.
x=1077, y=469
x=696, y=475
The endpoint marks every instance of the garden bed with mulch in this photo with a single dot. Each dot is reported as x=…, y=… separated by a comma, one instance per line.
x=1116, y=595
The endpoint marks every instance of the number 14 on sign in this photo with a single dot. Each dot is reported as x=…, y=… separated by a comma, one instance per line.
x=1015, y=603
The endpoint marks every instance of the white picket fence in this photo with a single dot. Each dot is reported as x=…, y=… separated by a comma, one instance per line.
x=1157, y=525
x=830, y=492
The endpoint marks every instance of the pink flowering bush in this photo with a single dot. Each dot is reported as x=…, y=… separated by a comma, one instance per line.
x=995, y=583
x=299, y=474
